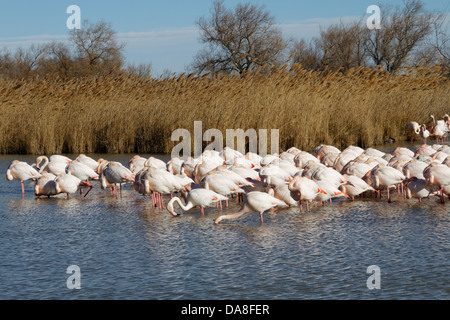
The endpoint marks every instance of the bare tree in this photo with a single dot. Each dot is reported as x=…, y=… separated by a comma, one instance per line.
x=98, y=51
x=440, y=41
x=141, y=70
x=237, y=41
x=23, y=63
x=342, y=46
x=307, y=54
x=59, y=60
x=402, y=30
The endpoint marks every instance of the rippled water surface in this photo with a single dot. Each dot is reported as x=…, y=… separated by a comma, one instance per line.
x=126, y=249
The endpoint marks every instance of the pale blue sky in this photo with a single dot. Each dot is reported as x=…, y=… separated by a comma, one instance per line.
x=163, y=33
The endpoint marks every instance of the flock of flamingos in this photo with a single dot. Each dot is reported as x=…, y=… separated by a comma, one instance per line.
x=291, y=178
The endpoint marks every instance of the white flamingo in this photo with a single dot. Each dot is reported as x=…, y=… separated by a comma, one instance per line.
x=21, y=171
x=305, y=190
x=254, y=201
x=196, y=197
x=57, y=165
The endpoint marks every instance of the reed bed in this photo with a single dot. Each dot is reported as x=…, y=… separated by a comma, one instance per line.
x=128, y=114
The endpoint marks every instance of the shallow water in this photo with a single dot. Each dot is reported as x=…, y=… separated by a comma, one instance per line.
x=126, y=249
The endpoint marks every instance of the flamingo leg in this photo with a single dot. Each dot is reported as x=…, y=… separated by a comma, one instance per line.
x=389, y=198
x=307, y=205
x=23, y=189
x=261, y=215
x=202, y=211
x=162, y=201
x=90, y=188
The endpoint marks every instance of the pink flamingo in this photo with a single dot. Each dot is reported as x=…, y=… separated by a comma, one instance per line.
x=21, y=171
x=305, y=189
x=196, y=197
x=254, y=201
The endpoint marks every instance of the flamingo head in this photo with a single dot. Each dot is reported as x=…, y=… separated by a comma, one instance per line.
x=171, y=209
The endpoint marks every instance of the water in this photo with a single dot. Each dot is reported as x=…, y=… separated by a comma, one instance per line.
x=126, y=249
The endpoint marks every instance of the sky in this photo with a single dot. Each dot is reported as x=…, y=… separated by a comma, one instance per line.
x=163, y=33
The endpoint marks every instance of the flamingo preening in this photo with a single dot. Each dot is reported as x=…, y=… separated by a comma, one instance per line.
x=22, y=171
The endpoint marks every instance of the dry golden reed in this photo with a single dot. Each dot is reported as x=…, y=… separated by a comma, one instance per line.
x=128, y=114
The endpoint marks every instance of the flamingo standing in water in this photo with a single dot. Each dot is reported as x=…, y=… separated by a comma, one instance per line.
x=438, y=175
x=440, y=129
x=417, y=188
x=254, y=201
x=355, y=186
x=45, y=185
x=384, y=177
x=283, y=193
x=67, y=183
x=222, y=184
x=21, y=171
x=414, y=128
x=196, y=197
x=424, y=133
x=306, y=190
x=115, y=174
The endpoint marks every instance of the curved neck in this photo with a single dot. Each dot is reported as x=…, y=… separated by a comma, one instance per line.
x=244, y=209
x=185, y=207
x=42, y=168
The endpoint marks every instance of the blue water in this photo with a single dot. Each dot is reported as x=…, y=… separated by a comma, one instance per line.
x=126, y=249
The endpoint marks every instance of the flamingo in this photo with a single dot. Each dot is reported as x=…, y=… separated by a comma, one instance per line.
x=417, y=188
x=424, y=133
x=283, y=193
x=159, y=181
x=45, y=185
x=153, y=162
x=355, y=186
x=67, y=183
x=413, y=127
x=438, y=175
x=136, y=163
x=322, y=150
x=439, y=130
x=58, y=157
x=82, y=171
x=221, y=184
x=21, y=171
x=384, y=177
x=254, y=201
x=414, y=168
x=115, y=174
x=56, y=166
x=91, y=163
x=196, y=197
x=330, y=191
x=306, y=190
